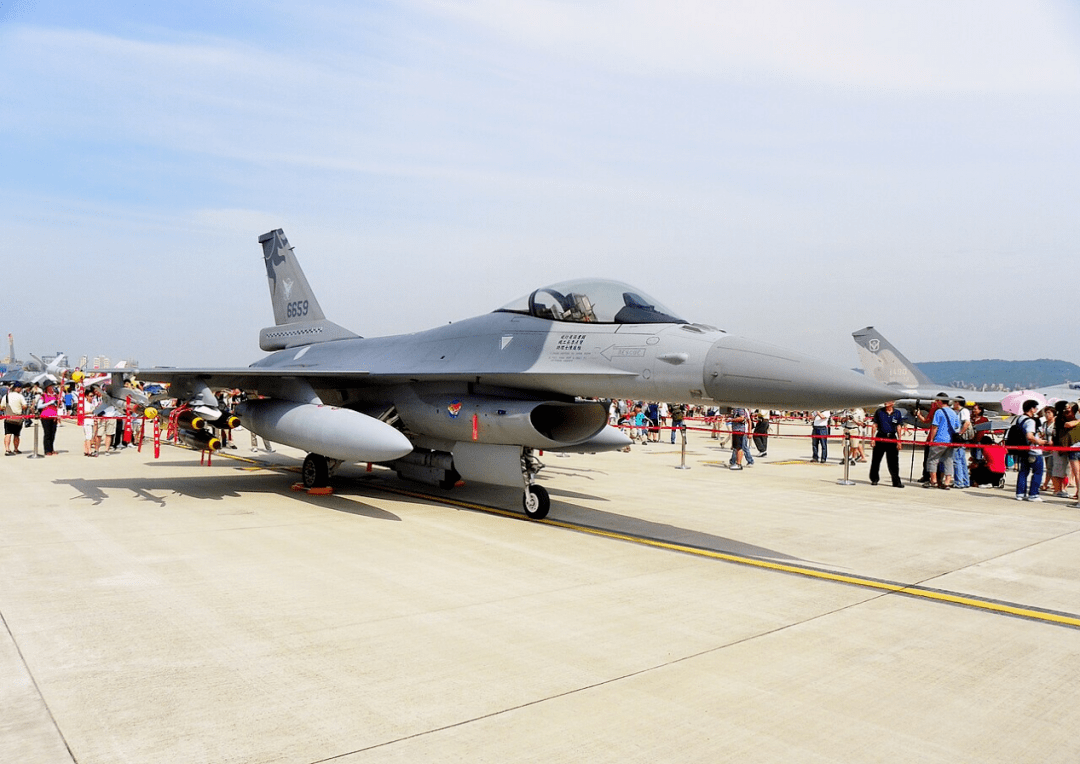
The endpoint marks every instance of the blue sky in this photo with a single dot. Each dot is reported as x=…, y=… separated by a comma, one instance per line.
x=790, y=172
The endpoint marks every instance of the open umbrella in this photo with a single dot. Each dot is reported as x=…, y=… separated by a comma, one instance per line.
x=1013, y=402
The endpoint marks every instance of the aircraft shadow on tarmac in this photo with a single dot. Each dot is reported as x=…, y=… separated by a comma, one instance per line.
x=572, y=514
x=157, y=490
x=665, y=532
x=581, y=473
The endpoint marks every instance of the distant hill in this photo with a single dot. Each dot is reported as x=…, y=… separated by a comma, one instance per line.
x=994, y=374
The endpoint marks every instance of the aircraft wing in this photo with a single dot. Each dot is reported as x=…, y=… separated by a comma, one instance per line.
x=197, y=384
x=244, y=378
x=1069, y=391
x=270, y=381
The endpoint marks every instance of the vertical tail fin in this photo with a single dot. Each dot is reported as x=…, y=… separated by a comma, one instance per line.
x=884, y=363
x=298, y=317
x=289, y=289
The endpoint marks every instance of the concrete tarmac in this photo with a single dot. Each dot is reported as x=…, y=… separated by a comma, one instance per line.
x=163, y=611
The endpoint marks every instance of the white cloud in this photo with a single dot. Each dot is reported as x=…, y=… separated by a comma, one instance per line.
x=432, y=160
x=926, y=46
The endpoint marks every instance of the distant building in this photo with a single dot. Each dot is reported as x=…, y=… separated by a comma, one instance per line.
x=11, y=360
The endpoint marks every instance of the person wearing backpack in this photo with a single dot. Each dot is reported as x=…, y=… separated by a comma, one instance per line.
x=1031, y=463
x=944, y=429
x=678, y=420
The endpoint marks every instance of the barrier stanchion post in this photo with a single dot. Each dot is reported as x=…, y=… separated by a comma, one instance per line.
x=847, y=461
x=35, y=455
x=911, y=468
x=682, y=457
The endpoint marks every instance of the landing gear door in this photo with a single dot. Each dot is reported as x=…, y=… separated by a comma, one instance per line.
x=483, y=463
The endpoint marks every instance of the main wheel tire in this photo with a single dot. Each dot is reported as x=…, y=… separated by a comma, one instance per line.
x=316, y=472
x=536, y=502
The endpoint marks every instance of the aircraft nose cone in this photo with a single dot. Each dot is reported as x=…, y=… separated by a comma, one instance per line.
x=745, y=372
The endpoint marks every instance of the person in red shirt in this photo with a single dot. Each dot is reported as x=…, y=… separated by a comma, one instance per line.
x=990, y=469
x=978, y=415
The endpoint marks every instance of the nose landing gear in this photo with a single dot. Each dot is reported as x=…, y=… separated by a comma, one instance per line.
x=536, y=502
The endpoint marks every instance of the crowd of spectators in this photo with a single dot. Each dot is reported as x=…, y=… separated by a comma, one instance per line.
x=45, y=404
x=961, y=449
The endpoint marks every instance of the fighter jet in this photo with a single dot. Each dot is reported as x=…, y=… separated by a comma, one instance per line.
x=475, y=400
x=884, y=363
x=1068, y=391
x=38, y=372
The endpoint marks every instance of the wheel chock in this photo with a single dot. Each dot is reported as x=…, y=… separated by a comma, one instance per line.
x=323, y=491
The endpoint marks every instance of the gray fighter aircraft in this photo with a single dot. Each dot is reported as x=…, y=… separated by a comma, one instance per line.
x=37, y=372
x=476, y=399
x=884, y=363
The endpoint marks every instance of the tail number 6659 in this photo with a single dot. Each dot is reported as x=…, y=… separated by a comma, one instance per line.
x=296, y=309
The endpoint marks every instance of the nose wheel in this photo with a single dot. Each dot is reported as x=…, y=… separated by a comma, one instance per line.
x=536, y=502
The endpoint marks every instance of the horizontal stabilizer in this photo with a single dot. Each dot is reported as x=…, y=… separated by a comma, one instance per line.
x=302, y=333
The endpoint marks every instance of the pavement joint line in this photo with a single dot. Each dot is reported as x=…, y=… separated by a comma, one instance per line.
x=580, y=689
x=37, y=687
x=915, y=591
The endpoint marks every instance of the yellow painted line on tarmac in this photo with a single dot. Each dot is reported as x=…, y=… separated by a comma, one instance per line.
x=457, y=503
x=254, y=463
x=907, y=590
x=223, y=454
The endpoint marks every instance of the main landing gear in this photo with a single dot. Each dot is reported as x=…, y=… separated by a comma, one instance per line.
x=317, y=470
x=491, y=464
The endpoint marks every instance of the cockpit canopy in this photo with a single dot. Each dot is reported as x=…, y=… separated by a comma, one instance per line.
x=593, y=301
